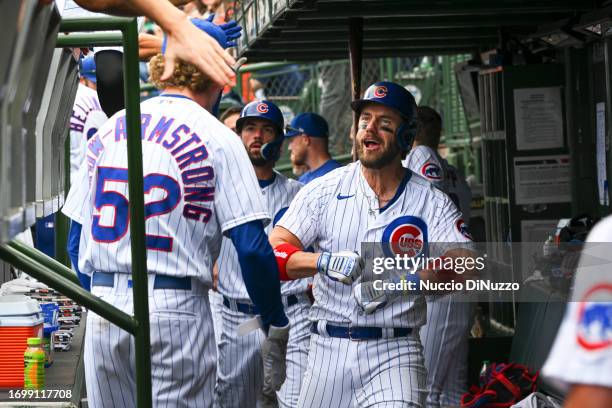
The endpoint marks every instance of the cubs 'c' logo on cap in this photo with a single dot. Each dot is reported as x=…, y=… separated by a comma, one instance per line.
x=463, y=229
x=431, y=171
x=405, y=235
x=594, y=331
x=262, y=108
x=380, y=91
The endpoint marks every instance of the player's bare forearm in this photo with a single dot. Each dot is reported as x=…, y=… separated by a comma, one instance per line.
x=588, y=396
x=301, y=264
x=128, y=8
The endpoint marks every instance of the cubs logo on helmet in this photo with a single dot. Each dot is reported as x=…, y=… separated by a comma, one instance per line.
x=405, y=235
x=380, y=91
x=595, y=319
x=463, y=229
x=262, y=108
x=431, y=171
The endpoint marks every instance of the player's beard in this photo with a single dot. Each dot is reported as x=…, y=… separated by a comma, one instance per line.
x=256, y=158
x=380, y=159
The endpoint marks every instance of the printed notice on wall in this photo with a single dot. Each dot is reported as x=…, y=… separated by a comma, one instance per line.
x=602, y=176
x=542, y=179
x=538, y=118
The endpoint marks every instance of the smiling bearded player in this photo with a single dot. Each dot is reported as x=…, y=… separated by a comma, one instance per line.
x=365, y=350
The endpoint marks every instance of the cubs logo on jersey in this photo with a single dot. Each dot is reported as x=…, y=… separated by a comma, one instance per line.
x=406, y=235
x=595, y=319
x=463, y=229
x=431, y=171
x=262, y=108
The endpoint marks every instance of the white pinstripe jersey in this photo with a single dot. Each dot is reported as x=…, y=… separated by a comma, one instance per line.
x=277, y=197
x=459, y=190
x=198, y=182
x=426, y=162
x=582, y=351
x=339, y=211
x=86, y=101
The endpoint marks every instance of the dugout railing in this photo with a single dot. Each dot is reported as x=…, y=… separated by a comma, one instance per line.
x=52, y=99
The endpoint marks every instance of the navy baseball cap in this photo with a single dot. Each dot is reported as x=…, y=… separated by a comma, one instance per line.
x=87, y=67
x=307, y=123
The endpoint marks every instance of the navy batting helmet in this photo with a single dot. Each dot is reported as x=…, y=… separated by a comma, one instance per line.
x=396, y=97
x=270, y=112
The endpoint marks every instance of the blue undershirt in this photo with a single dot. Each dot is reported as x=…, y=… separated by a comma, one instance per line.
x=74, y=237
x=266, y=183
x=399, y=191
x=325, y=168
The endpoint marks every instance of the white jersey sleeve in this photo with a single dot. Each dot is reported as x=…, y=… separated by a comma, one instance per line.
x=582, y=351
x=238, y=198
x=425, y=162
x=449, y=226
x=86, y=105
x=76, y=207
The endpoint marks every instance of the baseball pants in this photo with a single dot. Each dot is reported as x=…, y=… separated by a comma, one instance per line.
x=445, y=343
x=240, y=369
x=216, y=303
x=183, y=354
x=383, y=373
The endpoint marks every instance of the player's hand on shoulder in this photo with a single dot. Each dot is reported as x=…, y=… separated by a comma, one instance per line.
x=274, y=354
x=343, y=266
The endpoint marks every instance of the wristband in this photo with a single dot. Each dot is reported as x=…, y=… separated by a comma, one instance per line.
x=282, y=253
x=323, y=262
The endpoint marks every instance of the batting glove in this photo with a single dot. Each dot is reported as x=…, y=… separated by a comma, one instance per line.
x=344, y=266
x=368, y=298
x=371, y=299
x=274, y=354
x=231, y=29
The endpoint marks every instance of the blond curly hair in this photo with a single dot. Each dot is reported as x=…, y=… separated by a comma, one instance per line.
x=184, y=76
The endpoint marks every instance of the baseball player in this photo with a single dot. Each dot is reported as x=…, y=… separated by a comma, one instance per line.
x=198, y=187
x=230, y=116
x=581, y=357
x=445, y=335
x=362, y=352
x=239, y=380
x=86, y=115
x=86, y=106
x=423, y=158
x=308, y=135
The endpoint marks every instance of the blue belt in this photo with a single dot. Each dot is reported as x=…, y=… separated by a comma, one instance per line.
x=361, y=333
x=251, y=309
x=161, y=281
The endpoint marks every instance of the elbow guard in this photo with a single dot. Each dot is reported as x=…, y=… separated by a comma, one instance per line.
x=282, y=253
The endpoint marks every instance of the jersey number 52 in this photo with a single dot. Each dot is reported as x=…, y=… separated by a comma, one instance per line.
x=120, y=205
